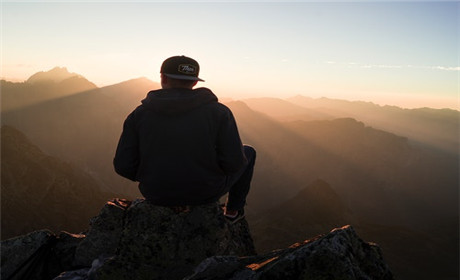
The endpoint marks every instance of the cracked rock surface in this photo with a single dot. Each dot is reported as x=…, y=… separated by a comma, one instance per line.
x=139, y=240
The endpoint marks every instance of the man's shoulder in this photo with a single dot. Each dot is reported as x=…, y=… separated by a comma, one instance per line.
x=222, y=106
x=219, y=107
x=139, y=109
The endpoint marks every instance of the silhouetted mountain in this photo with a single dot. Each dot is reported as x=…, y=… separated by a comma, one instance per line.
x=56, y=75
x=272, y=180
x=129, y=94
x=369, y=168
x=436, y=127
x=41, y=87
x=284, y=110
x=411, y=254
x=381, y=177
x=39, y=191
x=315, y=209
x=84, y=128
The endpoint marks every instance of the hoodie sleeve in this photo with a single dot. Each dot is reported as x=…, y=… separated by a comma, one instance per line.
x=229, y=147
x=126, y=161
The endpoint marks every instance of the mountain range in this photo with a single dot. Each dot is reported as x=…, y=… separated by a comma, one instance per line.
x=391, y=171
x=436, y=128
x=42, y=87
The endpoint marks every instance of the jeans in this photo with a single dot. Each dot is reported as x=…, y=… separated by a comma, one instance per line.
x=237, y=185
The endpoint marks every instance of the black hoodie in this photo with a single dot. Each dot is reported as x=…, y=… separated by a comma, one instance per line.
x=180, y=145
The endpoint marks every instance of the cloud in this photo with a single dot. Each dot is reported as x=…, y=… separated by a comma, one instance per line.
x=382, y=66
x=445, y=68
x=394, y=66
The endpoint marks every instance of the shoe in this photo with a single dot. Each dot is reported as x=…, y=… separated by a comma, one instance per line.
x=233, y=219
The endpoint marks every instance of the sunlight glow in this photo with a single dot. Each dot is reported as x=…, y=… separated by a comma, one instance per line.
x=348, y=50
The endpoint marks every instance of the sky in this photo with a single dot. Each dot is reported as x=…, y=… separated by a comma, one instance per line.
x=397, y=53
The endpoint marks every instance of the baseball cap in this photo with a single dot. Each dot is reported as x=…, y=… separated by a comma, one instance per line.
x=181, y=67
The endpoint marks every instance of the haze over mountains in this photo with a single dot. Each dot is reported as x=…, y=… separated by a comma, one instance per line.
x=41, y=87
x=392, y=172
x=434, y=127
x=40, y=191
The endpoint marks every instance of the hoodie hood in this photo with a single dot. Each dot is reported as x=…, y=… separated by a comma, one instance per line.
x=177, y=100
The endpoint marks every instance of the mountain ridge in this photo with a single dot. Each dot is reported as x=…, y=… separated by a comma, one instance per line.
x=42, y=87
x=56, y=75
x=437, y=127
x=42, y=191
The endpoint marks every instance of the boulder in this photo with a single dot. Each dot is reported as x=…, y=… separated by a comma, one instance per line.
x=38, y=255
x=65, y=248
x=104, y=233
x=139, y=240
x=341, y=254
x=18, y=251
x=164, y=243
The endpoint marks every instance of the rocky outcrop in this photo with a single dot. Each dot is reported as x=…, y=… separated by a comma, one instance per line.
x=164, y=243
x=104, y=234
x=341, y=254
x=39, y=255
x=16, y=251
x=144, y=239
x=130, y=239
x=138, y=240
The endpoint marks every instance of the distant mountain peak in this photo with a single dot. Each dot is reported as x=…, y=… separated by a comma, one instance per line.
x=57, y=74
x=59, y=69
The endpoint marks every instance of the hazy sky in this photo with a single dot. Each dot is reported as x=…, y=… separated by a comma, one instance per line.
x=399, y=53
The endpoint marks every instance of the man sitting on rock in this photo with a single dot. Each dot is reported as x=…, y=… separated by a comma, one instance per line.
x=183, y=146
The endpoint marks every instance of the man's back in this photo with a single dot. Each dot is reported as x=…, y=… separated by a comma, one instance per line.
x=183, y=147
x=186, y=142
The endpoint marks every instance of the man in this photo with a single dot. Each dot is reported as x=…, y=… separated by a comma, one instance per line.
x=183, y=146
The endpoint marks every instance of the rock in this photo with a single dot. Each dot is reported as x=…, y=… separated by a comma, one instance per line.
x=161, y=243
x=139, y=240
x=16, y=252
x=38, y=255
x=87, y=273
x=217, y=267
x=341, y=254
x=104, y=234
x=66, y=247
x=79, y=274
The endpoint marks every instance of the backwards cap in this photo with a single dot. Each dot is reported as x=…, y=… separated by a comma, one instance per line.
x=181, y=68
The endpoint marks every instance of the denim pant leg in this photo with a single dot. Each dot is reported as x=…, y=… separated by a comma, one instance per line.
x=239, y=183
